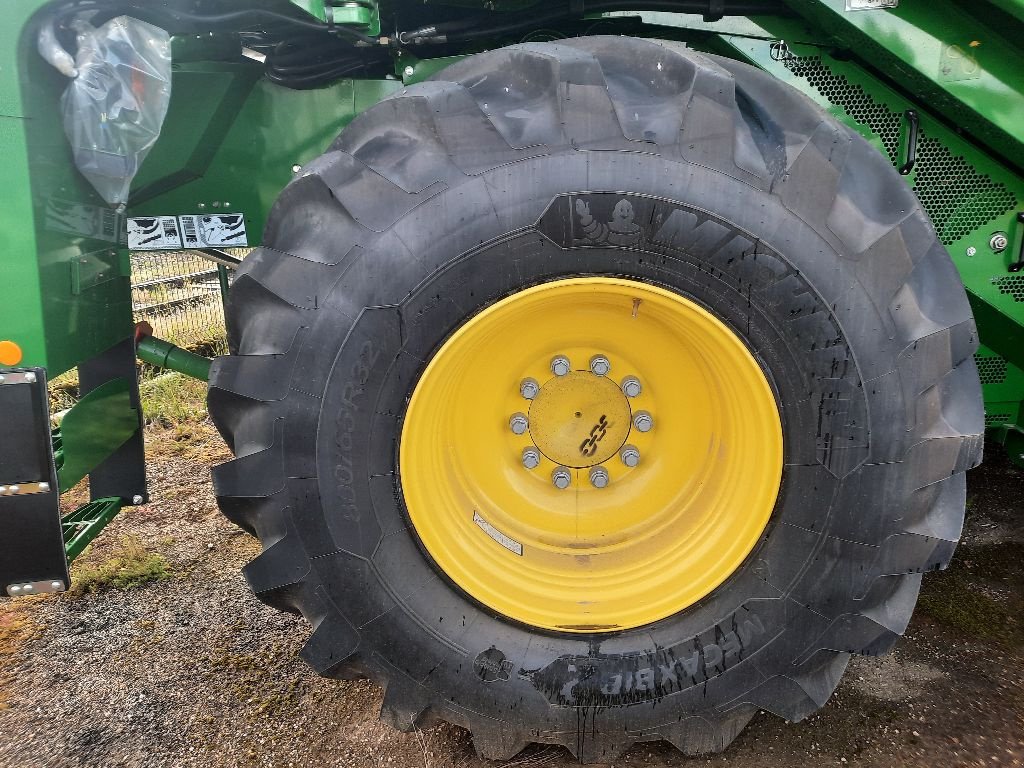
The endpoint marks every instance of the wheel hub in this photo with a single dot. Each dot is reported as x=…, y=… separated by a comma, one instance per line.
x=580, y=419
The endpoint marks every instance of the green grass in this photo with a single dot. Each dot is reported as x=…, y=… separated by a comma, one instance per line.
x=173, y=400
x=954, y=597
x=129, y=565
x=198, y=333
x=63, y=391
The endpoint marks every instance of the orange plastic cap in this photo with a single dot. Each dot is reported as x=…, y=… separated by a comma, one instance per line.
x=10, y=353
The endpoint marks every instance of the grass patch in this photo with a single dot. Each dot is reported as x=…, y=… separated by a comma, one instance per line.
x=178, y=425
x=952, y=599
x=203, y=335
x=261, y=695
x=955, y=597
x=173, y=400
x=63, y=391
x=129, y=565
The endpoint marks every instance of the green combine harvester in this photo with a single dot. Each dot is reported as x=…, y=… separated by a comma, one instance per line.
x=605, y=370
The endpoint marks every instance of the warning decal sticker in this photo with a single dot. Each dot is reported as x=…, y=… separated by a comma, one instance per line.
x=214, y=230
x=153, y=233
x=160, y=233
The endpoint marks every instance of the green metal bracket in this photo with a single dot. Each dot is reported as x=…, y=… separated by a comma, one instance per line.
x=1003, y=334
x=412, y=70
x=363, y=15
x=84, y=524
x=225, y=283
x=92, y=430
x=1012, y=439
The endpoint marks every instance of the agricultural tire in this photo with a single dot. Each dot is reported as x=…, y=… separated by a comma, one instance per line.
x=632, y=160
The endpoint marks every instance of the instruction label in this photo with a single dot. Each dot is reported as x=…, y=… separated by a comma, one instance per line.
x=215, y=230
x=508, y=543
x=870, y=5
x=153, y=233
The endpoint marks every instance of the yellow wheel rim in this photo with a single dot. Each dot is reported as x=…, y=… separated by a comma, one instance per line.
x=493, y=433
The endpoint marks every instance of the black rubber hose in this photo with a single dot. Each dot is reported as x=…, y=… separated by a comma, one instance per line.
x=167, y=18
x=483, y=26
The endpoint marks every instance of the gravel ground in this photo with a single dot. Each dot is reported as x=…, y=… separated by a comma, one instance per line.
x=194, y=671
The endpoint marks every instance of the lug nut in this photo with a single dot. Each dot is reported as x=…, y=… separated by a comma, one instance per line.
x=529, y=388
x=599, y=365
x=14, y=589
x=630, y=456
x=30, y=378
x=998, y=242
x=561, y=478
x=560, y=365
x=631, y=386
x=44, y=487
x=599, y=477
x=519, y=423
x=643, y=421
x=531, y=458
x=56, y=585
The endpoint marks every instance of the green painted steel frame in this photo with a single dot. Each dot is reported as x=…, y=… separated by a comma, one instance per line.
x=85, y=523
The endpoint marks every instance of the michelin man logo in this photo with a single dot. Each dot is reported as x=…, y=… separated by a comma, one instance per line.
x=620, y=231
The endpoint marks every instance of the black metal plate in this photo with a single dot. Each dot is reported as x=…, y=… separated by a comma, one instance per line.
x=31, y=542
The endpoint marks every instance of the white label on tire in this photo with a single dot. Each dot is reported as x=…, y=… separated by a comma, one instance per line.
x=214, y=230
x=508, y=543
x=153, y=233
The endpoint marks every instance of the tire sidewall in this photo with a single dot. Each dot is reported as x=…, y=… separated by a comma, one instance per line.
x=737, y=251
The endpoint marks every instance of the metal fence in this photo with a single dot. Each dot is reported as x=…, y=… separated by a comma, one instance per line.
x=180, y=294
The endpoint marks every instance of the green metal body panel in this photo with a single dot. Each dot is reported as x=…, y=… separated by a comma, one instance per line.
x=245, y=154
x=232, y=140
x=94, y=428
x=947, y=54
x=60, y=240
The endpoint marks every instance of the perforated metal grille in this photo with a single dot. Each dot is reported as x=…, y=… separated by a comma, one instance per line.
x=1012, y=285
x=991, y=370
x=996, y=418
x=957, y=197
x=854, y=100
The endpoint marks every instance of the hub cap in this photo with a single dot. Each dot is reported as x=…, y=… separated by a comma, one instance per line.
x=580, y=419
x=650, y=475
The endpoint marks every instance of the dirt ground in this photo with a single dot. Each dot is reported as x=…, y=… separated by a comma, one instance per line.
x=191, y=670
